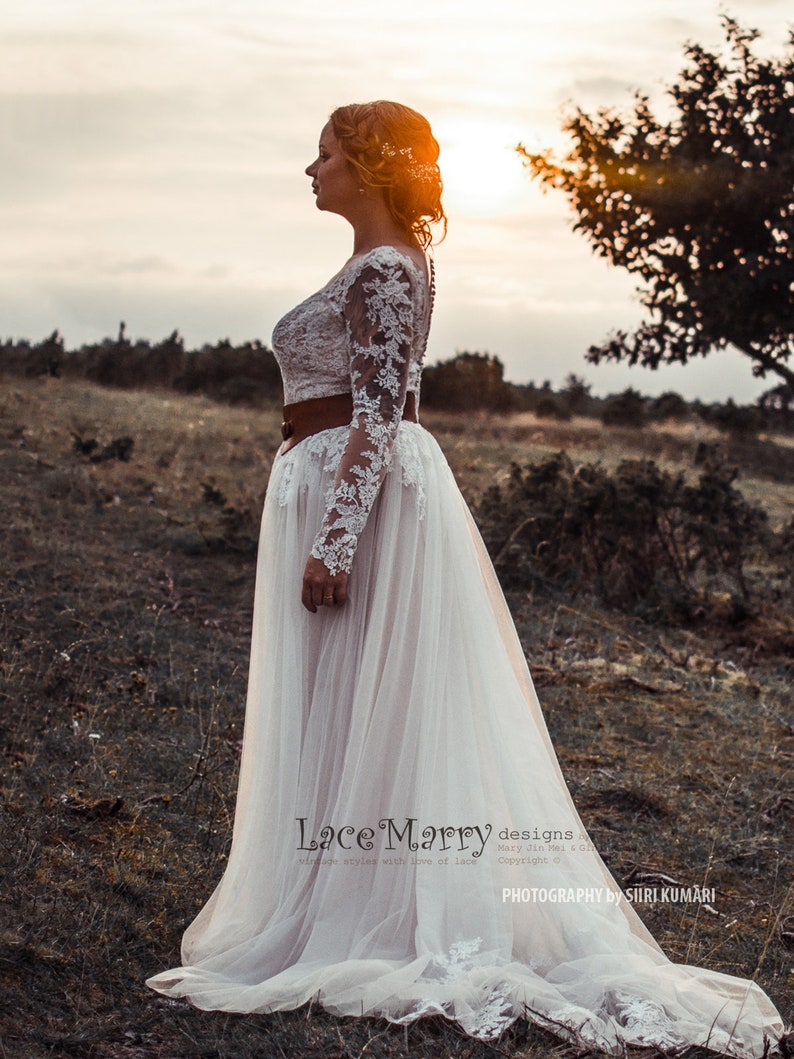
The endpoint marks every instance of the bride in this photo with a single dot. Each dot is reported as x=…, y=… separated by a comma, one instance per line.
x=404, y=842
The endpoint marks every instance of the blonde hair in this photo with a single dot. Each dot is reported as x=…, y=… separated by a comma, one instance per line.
x=392, y=147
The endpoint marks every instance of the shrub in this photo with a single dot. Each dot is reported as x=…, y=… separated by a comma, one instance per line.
x=625, y=409
x=119, y=362
x=549, y=406
x=740, y=421
x=246, y=374
x=669, y=405
x=576, y=395
x=468, y=381
x=639, y=537
x=43, y=358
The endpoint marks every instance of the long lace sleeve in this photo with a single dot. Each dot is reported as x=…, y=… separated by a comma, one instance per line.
x=379, y=316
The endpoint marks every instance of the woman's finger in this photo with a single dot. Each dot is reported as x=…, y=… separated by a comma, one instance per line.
x=306, y=597
x=321, y=588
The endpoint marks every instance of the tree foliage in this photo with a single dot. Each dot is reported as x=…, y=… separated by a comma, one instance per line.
x=467, y=381
x=700, y=207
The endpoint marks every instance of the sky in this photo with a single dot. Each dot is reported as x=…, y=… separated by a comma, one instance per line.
x=152, y=156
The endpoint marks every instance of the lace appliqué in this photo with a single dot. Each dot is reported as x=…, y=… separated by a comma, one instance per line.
x=643, y=1020
x=311, y=342
x=406, y=451
x=623, y=1019
x=366, y=332
x=324, y=452
x=380, y=321
x=495, y=1013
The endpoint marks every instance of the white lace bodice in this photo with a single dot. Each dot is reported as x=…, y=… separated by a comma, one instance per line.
x=365, y=332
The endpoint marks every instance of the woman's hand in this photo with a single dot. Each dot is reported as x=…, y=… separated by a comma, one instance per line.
x=321, y=588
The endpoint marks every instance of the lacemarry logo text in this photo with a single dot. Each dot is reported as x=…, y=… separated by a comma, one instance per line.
x=463, y=838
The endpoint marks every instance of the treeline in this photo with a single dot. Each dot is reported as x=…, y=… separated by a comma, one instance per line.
x=241, y=374
x=470, y=381
x=249, y=374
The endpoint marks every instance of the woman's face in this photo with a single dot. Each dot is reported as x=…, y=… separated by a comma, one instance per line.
x=334, y=180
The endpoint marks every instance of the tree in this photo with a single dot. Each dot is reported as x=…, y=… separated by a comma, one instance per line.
x=467, y=381
x=700, y=208
x=576, y=394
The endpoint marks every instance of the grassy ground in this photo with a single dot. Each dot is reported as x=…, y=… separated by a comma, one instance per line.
x=124, y=623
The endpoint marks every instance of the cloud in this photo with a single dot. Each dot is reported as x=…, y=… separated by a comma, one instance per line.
x=153, y=157
x=606, y=89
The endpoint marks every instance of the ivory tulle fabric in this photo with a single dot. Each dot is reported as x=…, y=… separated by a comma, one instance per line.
x=390, y=745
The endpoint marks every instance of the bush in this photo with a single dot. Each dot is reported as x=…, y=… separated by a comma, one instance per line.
x=43, y=358
x=549, y=406
x=246, y=374
x=468, y=381
x=576, y=395
x=737, y=420
x=668, y=405
x=119, y=362
x=638, y=538
x=625, y=409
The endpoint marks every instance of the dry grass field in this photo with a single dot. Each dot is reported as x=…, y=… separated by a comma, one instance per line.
x=124, y=622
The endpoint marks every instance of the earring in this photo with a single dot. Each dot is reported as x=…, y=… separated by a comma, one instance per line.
x=361, y=191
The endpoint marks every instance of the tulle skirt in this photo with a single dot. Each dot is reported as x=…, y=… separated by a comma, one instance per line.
x=404, y=841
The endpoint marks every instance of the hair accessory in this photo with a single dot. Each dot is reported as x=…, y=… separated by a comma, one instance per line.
x=416, y=170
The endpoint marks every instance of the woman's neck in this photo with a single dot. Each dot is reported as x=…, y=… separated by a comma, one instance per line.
x=376, y=227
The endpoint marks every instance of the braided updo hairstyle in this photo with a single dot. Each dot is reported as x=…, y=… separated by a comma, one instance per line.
x=393, y=148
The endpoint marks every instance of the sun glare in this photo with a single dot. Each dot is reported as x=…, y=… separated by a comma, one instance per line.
x=482, y=174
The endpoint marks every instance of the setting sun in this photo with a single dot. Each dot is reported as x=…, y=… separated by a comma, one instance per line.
x=482, y=174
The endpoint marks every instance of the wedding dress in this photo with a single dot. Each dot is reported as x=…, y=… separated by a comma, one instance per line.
x=404, y=842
